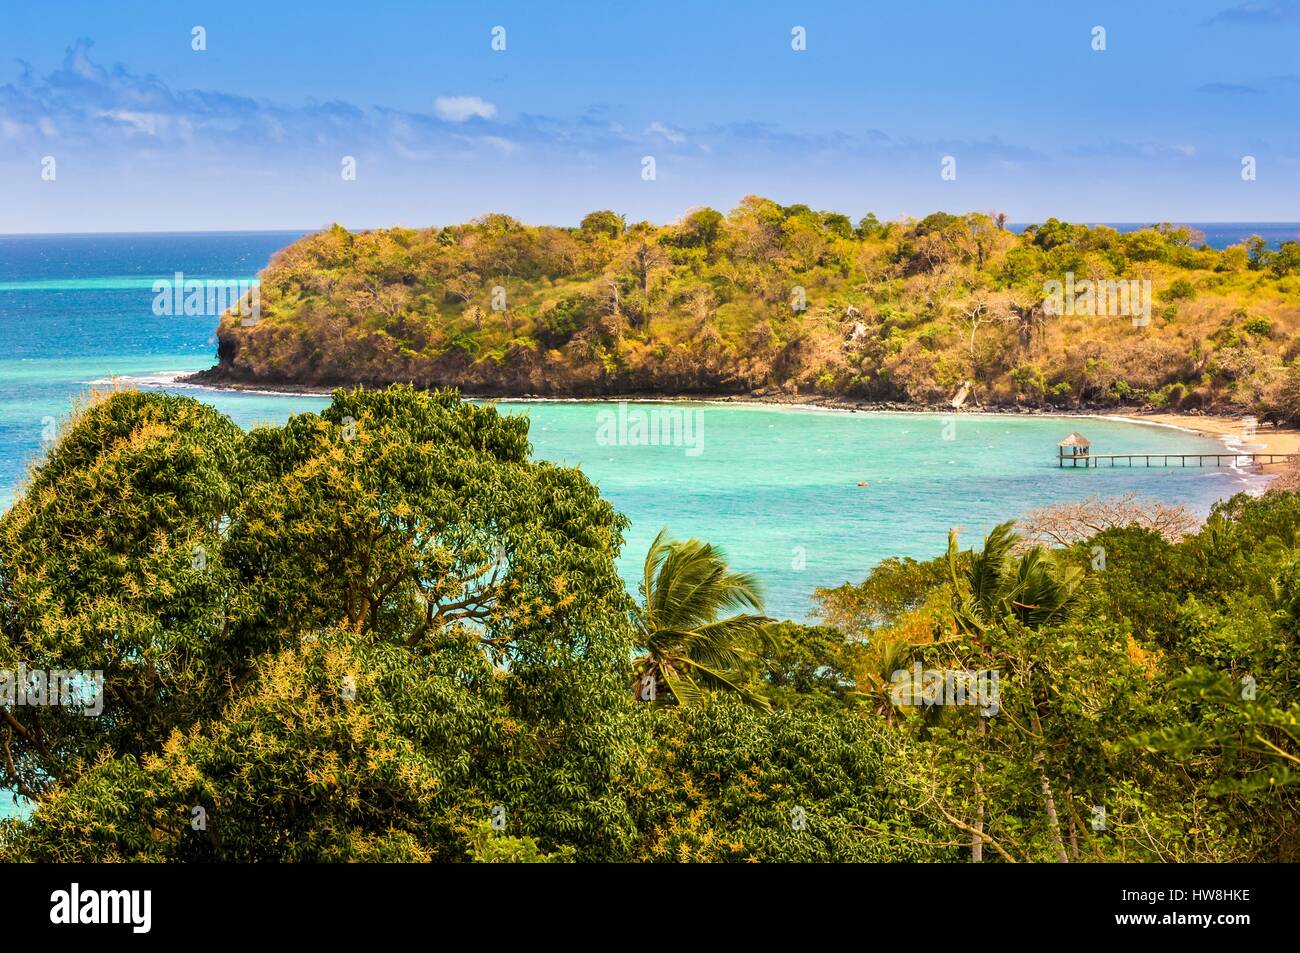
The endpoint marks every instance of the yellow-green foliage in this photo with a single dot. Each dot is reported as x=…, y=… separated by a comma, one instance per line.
x=776, y=299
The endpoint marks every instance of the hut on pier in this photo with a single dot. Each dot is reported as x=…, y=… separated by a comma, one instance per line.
x=1072, y=448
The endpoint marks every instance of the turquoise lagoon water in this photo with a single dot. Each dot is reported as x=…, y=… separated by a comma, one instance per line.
x=777, y=487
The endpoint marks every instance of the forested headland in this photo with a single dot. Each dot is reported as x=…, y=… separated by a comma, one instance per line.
x=784, y=302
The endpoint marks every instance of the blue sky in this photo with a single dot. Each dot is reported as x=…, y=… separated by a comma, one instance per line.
x=149, y=134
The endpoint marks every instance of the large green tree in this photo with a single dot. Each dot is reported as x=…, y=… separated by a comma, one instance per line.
x=452, y=570
x=110, y=561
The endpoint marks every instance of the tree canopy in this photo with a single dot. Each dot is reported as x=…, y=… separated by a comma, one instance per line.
x=384, y=632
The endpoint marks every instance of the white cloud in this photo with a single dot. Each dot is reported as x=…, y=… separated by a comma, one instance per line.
x=500, y=143
x=659, y=129
x=461, y=108
x=147, y=123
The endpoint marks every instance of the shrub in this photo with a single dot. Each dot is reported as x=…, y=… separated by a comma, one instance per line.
x=1179, y=290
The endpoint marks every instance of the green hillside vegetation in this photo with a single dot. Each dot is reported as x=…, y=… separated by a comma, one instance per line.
x=384, y=632
x=778, y=301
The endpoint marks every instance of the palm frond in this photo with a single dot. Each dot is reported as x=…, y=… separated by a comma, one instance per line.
x=684, y=688
x=693, y=584
x=727, y=681
x=687, y=590
x=988, y=568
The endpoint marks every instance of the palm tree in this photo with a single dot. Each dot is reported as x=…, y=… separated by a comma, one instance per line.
x=688, y=585
x=995, y=587
x=1033, y=588
x=876, y=683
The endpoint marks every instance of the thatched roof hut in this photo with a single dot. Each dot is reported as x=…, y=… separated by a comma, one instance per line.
x=1074, y=445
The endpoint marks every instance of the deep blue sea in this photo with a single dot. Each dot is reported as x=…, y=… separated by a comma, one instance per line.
x=779, y=488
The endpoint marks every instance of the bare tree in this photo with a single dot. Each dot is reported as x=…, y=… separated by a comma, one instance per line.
x=1063, y=524
x=609, y=296
x=645, y=259
x=939, y=287
x=699, y=304
x=975, y=314
x=465, y=285
x=609, y=303
x=1025, y=310
x=386, y=299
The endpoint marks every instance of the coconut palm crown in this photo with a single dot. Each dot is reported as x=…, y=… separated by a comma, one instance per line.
x=1032, y=587
x=688, y=646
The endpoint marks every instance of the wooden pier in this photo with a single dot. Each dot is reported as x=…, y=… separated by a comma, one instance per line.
x=1163, y=459
x=1076, y=450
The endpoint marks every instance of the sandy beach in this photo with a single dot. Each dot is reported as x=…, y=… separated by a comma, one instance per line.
x=1236, y=429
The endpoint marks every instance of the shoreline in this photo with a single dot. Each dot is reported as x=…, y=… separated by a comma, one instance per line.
x=1228, y=429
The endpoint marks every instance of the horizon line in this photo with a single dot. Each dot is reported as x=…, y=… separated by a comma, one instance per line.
x=318, y=228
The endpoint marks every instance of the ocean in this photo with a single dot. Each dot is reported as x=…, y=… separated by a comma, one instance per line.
x=801, y=497
x=1217, y=234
